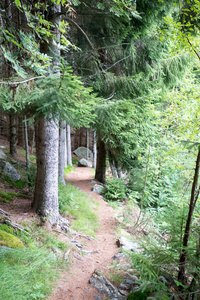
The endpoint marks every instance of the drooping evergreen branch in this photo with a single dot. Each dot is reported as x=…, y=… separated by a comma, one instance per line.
x=87, y=39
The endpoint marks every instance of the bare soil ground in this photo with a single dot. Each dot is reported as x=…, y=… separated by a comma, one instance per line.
x=74, y=285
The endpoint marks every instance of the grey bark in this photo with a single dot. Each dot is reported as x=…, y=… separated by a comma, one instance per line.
x=26, y=143
x=46, y=188
x=13, y=135
x=88, y=143
x=95, y=150
x=47, y=141
x=69, y=151
x=62, y=146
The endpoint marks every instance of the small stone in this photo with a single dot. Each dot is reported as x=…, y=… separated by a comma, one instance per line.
x=129, y=281
x=97, y=297
x=123, y=286
x=97, y=188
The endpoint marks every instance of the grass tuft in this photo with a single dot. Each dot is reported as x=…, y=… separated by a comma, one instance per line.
x=73, y=202
x=26, y=274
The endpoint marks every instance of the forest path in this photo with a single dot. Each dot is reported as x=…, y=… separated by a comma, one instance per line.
x=74, y=284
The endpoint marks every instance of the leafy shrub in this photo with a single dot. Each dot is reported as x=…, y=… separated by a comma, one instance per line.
x=114, y=190
x=74, y=160
x=18, y=184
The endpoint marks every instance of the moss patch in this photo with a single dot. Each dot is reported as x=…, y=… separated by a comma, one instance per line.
x=9, y=196
x=9, y=240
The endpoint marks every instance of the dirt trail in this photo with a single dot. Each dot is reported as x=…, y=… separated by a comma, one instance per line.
x=74, y=285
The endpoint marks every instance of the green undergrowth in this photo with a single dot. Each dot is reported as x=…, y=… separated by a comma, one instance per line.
x=69, y=169
x=33, y=269
x=9, y=196
x=74, y=160
x=27, y=274
x=80, y=207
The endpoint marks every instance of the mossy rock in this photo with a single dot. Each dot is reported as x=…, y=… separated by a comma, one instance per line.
x=9, y=240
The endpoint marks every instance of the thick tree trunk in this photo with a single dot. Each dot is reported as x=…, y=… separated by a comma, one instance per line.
x=69, y=151
x=46, y=188
x=47, y=141
x=100, y=174
x=62, y=151
x=13, y=135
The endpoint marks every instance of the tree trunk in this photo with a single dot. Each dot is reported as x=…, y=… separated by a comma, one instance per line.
x=112, y=164
x=69, y=151
x=26, y=143
x=88, y=143
x=100, y=174
x=119, y=171
x=193, y=200
x=95, y=151
x=21, y=139
x=62, y=146
x=13, y=135
x=47, y=141
x=46, y=188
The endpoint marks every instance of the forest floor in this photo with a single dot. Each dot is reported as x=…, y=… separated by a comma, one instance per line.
x=74, y=282
x=74, y=285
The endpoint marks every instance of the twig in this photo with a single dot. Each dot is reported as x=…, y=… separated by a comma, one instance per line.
x=19, y=82
x=3, y=212
x=15, y=225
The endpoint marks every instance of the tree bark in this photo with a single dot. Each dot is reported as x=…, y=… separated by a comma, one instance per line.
x=193, y=200
x=21, y=138
x=62, y=151
x=112, y=164
x=100, y=173
x=47, y=141
x=26, y=143
x=95, y=151
x=46, y=188
x=69, y=151
x=13, y=135
x=88, y=143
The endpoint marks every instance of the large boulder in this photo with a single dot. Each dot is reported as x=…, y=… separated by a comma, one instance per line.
x=82, y=152
x=84, y=163
x=9, y=170
x=2, y=155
